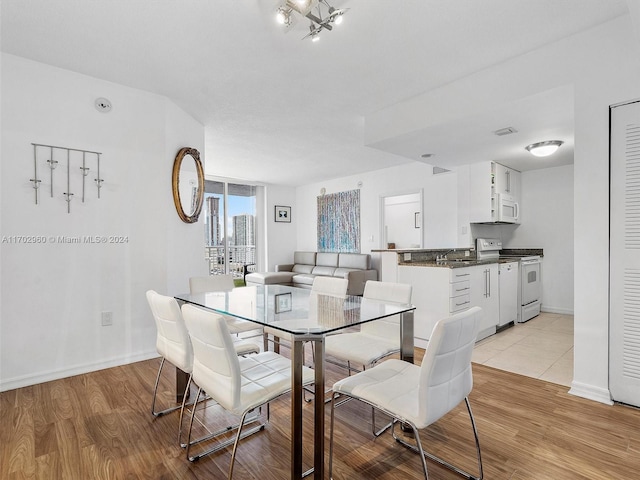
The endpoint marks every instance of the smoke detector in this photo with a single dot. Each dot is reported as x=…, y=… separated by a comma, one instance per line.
x=103, y=105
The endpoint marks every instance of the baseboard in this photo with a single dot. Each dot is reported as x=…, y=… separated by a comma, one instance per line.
x=27, y=380
x=563, y=311
x=590, y=392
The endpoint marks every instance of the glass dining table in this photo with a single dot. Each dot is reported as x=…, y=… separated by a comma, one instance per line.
x=307, y=317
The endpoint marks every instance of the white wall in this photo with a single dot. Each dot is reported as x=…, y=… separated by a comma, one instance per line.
x=53, y=293
x=440, y=204
x=281, y=236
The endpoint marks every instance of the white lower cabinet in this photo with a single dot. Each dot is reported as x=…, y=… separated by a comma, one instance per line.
x=439, y=292
x=484, y=294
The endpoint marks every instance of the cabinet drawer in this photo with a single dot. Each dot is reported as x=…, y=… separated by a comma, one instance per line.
x=459, y=288
x=460, y=274
x=459, y=303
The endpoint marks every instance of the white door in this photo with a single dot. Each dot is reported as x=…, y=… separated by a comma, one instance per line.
x=624, y=255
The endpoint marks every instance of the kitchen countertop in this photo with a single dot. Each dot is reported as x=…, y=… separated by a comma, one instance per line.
x=456, y=263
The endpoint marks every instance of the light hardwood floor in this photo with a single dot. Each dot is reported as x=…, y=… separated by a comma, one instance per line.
x=98, y=426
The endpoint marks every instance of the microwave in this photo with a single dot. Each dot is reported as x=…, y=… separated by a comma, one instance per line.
x=506, y=209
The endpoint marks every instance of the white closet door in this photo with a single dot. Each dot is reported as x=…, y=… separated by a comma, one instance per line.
x=624, y=310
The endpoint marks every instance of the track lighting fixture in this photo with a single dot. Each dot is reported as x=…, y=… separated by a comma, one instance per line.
x=312, y=10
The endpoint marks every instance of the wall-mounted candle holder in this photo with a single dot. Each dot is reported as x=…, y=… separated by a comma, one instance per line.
x=88, y=156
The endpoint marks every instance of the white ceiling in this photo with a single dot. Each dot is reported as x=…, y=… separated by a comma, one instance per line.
x=282, y=110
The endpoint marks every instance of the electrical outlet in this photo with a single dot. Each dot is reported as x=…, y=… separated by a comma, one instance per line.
x=407, y=257
x=107, y=319
x=467, y=253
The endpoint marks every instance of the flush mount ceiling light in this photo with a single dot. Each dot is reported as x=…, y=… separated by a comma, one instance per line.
x=312, y=10
x=544, y=149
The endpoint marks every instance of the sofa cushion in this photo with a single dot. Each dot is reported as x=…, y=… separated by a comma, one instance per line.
x=303, y=279
x=325, y=271
x=269, y=278
x=359, y=261
x=327, y=260
x=342, y=272
x=304, y=258
x=299, y=268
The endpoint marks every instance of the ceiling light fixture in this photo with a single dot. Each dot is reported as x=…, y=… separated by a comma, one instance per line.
x=283, y=16
x=313, y=10
x=544, y=149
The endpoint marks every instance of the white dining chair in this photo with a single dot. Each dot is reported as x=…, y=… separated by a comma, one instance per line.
x=239, y=385
x=375, y=340
x=421, y=395
x=174, y=344
x=172, y=340
x=223, y=283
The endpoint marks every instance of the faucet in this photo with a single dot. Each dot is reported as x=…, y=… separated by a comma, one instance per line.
x=444, y=255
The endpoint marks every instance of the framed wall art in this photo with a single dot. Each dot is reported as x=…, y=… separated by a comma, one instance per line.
x=283, y=214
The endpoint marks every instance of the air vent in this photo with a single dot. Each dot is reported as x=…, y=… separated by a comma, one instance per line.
x=505, y=131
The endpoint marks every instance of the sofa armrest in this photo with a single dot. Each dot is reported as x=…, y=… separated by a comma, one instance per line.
x=357, y=278
x=284, y=267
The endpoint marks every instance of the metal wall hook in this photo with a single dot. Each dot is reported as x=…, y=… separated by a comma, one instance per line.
x=68, y=200
x=53, y=164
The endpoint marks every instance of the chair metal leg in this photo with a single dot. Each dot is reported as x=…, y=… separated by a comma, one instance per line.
x=155, y=393
x=416, y=448
x=240, y=435
x=443, y=462
x=235, y=445
x=377, y=433
x=184, y=404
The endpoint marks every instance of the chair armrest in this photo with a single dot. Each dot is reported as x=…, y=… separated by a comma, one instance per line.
x=357, y=278
x=284, y=267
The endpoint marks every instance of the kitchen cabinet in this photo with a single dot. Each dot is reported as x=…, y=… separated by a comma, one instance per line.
x=506, y=180
x=485, y=294
x=439, y=292
x=490, y=182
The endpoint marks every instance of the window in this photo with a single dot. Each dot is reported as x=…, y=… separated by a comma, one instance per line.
x=230, y=227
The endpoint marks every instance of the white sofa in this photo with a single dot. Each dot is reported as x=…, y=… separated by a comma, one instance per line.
x=355, y=267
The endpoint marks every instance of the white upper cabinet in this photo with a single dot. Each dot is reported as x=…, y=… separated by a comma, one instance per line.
x=494, y=193
x=506, y=180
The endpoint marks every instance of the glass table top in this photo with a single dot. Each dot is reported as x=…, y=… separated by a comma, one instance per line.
x=295, y=310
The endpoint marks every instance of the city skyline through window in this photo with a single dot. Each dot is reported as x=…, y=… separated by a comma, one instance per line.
x=230, y=237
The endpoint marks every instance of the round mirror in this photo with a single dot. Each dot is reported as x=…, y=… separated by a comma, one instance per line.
x=188, y=184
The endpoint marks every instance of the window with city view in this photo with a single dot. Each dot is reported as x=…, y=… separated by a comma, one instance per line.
x=230, y=232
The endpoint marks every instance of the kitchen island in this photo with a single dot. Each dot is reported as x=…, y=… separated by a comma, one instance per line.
x=446, y=281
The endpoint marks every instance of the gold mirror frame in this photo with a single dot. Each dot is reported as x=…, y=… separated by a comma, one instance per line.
x=175, y=184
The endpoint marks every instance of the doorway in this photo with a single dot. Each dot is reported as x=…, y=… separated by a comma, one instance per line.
x=402, y=220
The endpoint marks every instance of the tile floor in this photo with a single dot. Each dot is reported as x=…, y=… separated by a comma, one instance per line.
x=540, y=348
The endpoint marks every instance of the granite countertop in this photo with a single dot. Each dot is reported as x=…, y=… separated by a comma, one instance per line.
x=455, y=263
x=456, y=257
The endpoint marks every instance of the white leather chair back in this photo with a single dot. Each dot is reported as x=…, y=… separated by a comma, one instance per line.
x=445, y=375
x=172, y=340
x=330, y=286
x=211, y=283
x=216, y=367
x=387, y=292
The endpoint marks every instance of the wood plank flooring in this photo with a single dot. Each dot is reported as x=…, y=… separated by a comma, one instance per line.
x=98, y=426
